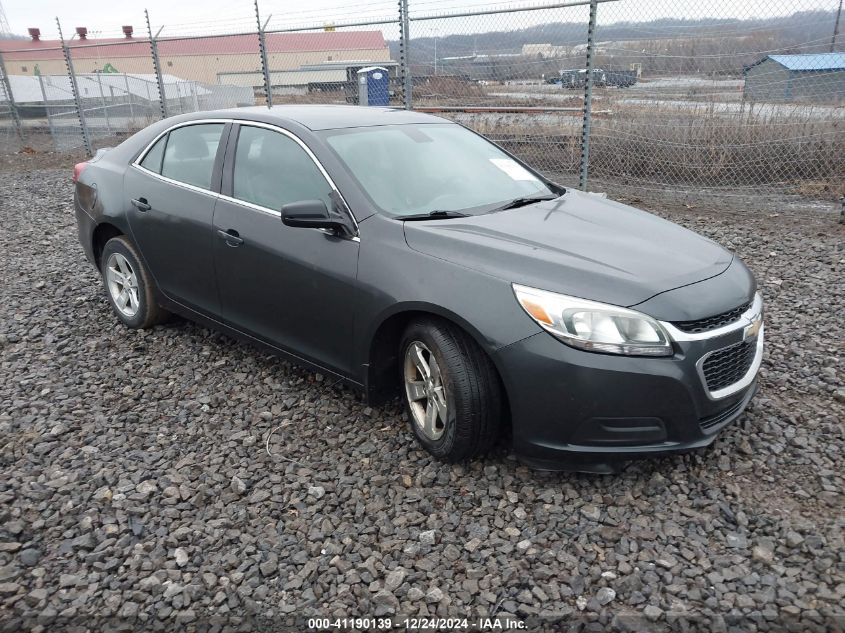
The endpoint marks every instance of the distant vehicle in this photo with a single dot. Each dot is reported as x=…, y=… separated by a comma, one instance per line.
x=620, y=78
x=576, y=78
x=405, y=254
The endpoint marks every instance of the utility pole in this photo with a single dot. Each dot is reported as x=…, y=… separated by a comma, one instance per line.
x=836, y=28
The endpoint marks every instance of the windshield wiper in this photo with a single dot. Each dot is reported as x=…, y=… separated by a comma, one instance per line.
x=433, y=215
x=521, y=202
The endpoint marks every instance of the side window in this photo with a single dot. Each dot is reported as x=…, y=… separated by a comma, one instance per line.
x=189, y=155
x=272, y=170
x=152, y=160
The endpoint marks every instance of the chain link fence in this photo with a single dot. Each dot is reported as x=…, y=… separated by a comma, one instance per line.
x=117, y=89
x=309, y=64
x=494, y=71
x=717, y=98
x=9, y=124
x=38, y=110
x=727, y=103
x=210, y=72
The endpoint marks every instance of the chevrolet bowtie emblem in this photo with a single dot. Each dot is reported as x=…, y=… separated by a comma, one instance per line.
x=752, y=330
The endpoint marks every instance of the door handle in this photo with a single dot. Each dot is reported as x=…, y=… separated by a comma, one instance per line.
x=231, y=236
x=141, y=204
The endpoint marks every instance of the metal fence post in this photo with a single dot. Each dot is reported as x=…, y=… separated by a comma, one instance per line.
x=13, y=108
x=162, y=97
x=86, y=139
x=47, y=110
x=129, y=99
x=588, y=98
x=404, y=55
x=262, y=49
x=103, y=101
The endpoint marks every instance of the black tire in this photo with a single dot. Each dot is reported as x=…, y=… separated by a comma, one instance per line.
x=148, y=312
x=472, y=389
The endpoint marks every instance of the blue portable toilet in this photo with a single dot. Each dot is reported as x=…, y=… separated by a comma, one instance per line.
x=373, y=86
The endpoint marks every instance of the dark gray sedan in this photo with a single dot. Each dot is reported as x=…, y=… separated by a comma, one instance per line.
x=408, y=255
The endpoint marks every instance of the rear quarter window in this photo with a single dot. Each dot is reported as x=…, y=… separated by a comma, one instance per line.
x=152, y=160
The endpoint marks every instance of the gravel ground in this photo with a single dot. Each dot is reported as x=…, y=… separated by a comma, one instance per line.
x=137, y=490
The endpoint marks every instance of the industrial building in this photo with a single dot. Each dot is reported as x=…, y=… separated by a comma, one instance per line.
x=208, y=60
x=815, y=77
x=323, y=77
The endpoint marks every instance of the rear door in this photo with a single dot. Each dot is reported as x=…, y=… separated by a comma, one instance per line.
x=171, y=191
x=293, y=287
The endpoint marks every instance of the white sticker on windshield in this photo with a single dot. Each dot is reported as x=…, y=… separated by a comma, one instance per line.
x=513, y=169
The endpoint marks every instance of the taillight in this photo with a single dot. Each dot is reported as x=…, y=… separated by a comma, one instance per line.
x=77, y=170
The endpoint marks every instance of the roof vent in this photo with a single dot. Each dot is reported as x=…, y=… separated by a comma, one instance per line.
x=82, y=32
x=127, y=31
x=35, y=34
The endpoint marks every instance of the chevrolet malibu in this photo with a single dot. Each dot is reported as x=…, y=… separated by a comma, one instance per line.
x=405, y=254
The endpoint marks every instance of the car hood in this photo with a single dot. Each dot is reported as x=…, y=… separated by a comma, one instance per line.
x=579, y=244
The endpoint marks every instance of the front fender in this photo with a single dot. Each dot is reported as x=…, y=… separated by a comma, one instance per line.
x=395, y=279
x=426, y=307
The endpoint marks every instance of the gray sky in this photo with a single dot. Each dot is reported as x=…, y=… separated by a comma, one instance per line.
x=105, y=17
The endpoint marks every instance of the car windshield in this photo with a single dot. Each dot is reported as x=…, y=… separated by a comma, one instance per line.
x=418, y=169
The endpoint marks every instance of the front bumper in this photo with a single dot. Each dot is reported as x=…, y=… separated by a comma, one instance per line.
x=580, y=410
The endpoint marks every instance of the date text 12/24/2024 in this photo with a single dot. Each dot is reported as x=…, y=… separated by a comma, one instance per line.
x=415, y=624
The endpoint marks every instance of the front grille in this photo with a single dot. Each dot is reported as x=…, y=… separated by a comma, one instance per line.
x=728, y=365
x=714, y=421
x=713, y=322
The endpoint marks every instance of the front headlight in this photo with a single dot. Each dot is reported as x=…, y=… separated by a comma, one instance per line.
x=593, y=326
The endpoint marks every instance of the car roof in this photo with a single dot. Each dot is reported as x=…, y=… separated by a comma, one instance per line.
x=326, y=117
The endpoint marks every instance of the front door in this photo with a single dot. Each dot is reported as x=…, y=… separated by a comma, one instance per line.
x=292, y=287
x=171, y=194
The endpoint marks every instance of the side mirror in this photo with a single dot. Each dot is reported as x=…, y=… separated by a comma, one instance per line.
x=310, y=214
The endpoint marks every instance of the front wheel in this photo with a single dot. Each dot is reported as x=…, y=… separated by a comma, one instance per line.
x=129, y=286
x=452, y=392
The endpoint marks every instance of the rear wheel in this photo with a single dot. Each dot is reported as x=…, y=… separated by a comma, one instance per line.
x=128, y=285
x=451, y=389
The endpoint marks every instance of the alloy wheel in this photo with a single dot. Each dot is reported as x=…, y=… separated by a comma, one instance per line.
x=425, y=390
x=123, y=285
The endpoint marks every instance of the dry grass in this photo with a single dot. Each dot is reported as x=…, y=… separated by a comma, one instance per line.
x=821, y=190
x=719, y=149
x=700, y=147
x=434, y=90
x=651, y=144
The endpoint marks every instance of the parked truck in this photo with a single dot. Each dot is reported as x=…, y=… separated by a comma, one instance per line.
x=575, y=79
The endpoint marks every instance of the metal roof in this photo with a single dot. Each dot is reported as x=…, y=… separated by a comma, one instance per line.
x=27, y=88
x=811, y=61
